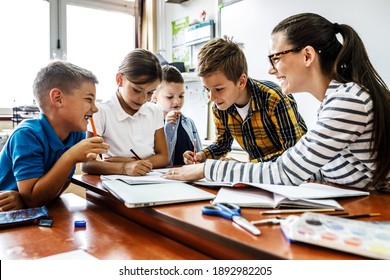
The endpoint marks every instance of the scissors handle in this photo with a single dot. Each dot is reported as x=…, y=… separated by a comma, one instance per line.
x=225, y=210
x=214, y=210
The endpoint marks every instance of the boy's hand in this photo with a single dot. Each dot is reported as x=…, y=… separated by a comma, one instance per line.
x=10, y=200
x=190, y=158
x=137, y=168
x=88, y=149
x=172, y=116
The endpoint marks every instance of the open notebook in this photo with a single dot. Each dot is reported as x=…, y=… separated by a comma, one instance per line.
x=258, y=198
x=141, y=195
x=306, y=195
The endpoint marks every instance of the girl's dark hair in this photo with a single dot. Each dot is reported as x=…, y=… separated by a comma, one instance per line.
x=141, y=66
x=346, y=62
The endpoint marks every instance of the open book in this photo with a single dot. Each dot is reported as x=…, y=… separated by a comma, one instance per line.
x=306, y=195
x=258, y=198
x=303, y=191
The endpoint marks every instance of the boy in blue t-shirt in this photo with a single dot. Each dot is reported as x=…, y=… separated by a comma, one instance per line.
x=39, y=158
x=180, y=130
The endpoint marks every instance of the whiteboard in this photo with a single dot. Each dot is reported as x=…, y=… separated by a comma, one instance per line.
x=251, y=22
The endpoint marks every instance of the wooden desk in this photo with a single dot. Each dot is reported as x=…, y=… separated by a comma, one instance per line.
x=218, y=237
x=106, y=236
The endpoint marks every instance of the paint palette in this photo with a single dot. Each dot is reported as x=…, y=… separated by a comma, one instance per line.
x=358, y=237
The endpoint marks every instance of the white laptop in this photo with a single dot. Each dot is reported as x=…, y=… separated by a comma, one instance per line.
x=143, y=195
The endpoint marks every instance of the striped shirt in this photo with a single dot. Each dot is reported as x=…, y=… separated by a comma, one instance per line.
x=336, y=150
x=272, y=125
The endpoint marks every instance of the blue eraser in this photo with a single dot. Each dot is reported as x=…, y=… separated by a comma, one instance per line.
x=80, y=223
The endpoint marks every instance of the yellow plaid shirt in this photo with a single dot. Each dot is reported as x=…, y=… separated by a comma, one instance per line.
x=272, y=125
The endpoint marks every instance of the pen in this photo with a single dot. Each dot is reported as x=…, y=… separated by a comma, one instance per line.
x=296, y=211
x=94, y=131
x=361, y=216
x=194, y=150
x=134, y=153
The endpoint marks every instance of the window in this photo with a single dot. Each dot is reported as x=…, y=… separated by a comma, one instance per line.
x=95, y=34
x=99, y=43
x=24, y=48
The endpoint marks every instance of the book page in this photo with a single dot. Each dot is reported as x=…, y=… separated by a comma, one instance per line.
x=151, y=177
x=309, y=191
x=246, y=197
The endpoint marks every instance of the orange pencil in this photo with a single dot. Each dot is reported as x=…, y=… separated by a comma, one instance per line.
x=194, y=150
x=93, y=126
x=94, y=131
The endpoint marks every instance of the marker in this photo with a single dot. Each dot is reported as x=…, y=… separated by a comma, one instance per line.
x=361, y=216
x=134, y=153
x=194, y=150
x=296, y=211
x=94, y=131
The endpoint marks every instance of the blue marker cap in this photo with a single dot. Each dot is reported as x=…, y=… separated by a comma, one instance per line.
x=80, y=223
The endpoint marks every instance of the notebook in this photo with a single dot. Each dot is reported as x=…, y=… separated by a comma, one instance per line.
x=303, y=191
x=258, y=198
x=142, y=195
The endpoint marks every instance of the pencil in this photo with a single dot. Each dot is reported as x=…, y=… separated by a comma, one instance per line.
x=296, y=211
x=93, y=126
x=194, y=150
x=360, y=216
x=94, y=131
x=134, y=153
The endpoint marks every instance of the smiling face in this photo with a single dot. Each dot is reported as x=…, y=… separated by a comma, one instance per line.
x=170, y=96
x=79, y=106
x=133, y=95
x=223, y=92
x=287, y=66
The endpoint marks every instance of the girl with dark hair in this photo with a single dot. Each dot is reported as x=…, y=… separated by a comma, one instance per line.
x=350, y=143
x=129, y=123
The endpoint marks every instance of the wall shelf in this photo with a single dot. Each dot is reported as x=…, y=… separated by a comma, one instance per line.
x=21, y=113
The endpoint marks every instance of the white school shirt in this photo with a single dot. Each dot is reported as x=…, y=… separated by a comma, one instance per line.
x=336, y=150
x=124, y=132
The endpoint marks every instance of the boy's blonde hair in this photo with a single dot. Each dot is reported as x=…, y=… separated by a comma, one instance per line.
x=222, y=55
x=62, y=75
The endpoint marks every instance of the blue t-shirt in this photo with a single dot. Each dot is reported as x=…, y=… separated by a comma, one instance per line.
x=31, y=151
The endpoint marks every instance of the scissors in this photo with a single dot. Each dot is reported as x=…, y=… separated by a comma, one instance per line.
x=231, y=212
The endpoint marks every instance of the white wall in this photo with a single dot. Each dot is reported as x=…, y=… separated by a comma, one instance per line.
x=172, y=12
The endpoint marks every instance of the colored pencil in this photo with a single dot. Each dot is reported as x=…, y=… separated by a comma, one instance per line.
x=93, y=126
x=361, y=216
x=94, y=131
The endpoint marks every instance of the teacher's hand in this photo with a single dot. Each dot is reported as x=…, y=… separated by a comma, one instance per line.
x=191, y=172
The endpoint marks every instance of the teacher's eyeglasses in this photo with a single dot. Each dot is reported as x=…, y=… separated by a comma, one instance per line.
x=274, y=58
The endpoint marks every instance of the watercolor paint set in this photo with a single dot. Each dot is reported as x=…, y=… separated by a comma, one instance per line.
x=357, y=237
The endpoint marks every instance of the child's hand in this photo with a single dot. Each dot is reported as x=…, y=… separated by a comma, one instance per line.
x=88, y=149
x=189, y=157
x=172, y=116
x=10, y=200
x=137, y=168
